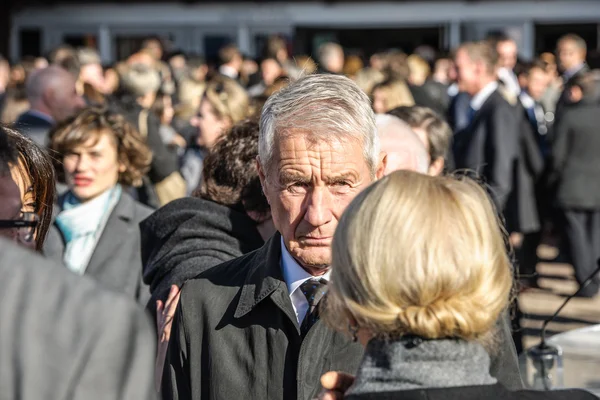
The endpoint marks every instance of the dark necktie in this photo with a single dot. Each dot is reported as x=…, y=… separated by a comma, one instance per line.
x=471, y=114
x=314, y=290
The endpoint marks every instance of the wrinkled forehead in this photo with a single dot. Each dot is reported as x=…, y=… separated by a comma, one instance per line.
x=302, y=146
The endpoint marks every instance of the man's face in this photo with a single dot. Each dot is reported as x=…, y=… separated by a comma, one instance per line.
x=569, y=55
x=537, y=83
x=65, y=101
x=466, y=70
x=507, y=54
x=309, y=185
x=10, y=205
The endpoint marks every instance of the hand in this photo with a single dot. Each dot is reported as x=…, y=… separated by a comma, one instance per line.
x=179, y=141
x=335, y=384
x=164, y=320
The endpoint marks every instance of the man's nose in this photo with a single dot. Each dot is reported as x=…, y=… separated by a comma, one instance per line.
x=319, y=207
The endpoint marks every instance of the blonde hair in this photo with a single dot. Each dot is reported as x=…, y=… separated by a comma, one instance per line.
x=415, y=254
x=367, y=78
x=140, y=79
x=228, y=99
x=419, y=69
x=396, y=93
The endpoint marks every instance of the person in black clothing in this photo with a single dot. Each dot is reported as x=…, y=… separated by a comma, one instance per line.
x=572, y=51
x=227, y=217
x=423, y=305
x=489, y=145
x=575, y=173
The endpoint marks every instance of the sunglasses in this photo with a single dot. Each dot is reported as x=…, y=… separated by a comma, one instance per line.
x=25, y=225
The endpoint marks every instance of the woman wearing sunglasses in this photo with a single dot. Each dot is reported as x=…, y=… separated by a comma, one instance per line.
x=102, y=156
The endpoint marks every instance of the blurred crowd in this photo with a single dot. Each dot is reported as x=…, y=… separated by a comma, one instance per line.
x=148, y=172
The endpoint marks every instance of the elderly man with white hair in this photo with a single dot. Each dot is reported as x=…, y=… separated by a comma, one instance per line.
x=250, y=328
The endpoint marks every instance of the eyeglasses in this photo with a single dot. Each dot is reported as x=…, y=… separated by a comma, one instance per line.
x=25, y=225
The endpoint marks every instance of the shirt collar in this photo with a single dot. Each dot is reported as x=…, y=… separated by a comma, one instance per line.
x=228, y=71
x=568, y=74
x=526, y=100
x=293, y=273
x=481, y=97
x=41, y=115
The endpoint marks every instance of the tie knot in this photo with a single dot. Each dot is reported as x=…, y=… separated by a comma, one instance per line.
x=314, y=289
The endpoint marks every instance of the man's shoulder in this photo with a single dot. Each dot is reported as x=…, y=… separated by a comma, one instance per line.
x=222, y=280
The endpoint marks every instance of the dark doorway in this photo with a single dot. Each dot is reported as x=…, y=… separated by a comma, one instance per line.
x=365, y=42
x=546, y=35
x=31, y=42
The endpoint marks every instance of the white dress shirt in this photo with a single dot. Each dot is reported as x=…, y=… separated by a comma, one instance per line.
x=484, y=94
x=229, y=71
x=510, y=80
x=295, y=276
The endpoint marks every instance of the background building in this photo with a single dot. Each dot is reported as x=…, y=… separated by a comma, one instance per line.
x=116, y=29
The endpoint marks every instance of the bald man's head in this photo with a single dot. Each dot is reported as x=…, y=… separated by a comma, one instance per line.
x=52, y=91
x=404, y=149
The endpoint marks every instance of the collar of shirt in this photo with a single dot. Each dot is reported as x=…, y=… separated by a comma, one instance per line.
x=229, y=71
x=568, y=74
x=480, y=98
x=526, y=100
x=295, y=276
x=510, y=80
x=41, y=115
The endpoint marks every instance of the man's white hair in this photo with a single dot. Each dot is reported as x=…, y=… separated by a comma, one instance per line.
x=403, y=147
x=325, y=106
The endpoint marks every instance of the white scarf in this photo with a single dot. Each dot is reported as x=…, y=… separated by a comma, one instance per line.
x=82, y=224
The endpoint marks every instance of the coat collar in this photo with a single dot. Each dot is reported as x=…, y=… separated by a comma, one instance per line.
x=122, y=215
x=265, y=279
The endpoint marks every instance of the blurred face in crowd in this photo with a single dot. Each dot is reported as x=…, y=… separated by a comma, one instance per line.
x=380, y=101
x=92, y=167
x=468, y=72
x=507, y=54
x=63, y=101
x=537, y=83
x=309, y=184
x=270, y=70
x=210, y=125
x=94, y=75
x=10, y=205
x=154, y=48
x=569, y=55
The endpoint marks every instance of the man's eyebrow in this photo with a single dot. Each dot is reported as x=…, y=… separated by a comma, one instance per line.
x=287, y=176
x=345, y=176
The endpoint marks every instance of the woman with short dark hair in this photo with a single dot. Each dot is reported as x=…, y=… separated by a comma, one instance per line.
x=101, y=156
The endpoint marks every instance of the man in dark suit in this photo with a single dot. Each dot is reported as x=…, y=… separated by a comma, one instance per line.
x=575, y=171
x=61, y=336
x=249, y=328
x=489, y=145
x=571, y=51
x=53, y=98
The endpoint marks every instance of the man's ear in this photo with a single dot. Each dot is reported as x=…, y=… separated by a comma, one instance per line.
x=437, y=167
x=262, y=177
x=381, y=166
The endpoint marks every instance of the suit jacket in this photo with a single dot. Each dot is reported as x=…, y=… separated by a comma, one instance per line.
x=575, y=150
x=488, y=392
x=235, y=335
x=489, y=146
x=63, y=337
x=563, y=101
x=34, y=127
x=116, y=261
x=521, y=211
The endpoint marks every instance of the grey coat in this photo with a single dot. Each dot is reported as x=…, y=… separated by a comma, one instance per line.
x=116, y=262
x=235, y=336
x=63, y=337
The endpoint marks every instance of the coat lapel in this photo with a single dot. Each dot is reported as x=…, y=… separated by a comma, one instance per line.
x=265, y=279
x=119, y=221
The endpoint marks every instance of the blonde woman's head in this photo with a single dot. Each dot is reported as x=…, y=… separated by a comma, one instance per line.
x=224, y=104
x=422, y=255
x=390, y=94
